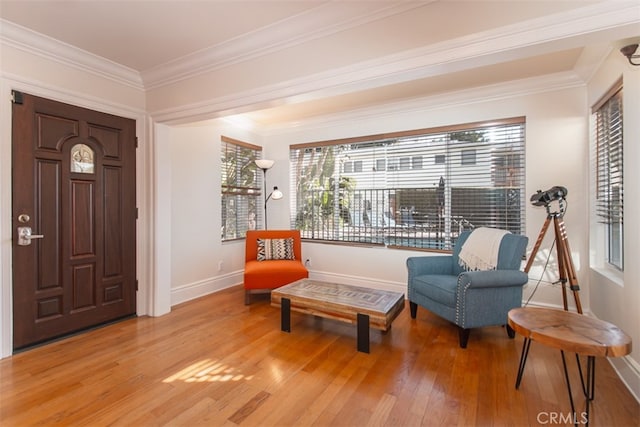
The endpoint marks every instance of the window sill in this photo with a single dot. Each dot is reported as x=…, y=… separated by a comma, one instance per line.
x=611, y=275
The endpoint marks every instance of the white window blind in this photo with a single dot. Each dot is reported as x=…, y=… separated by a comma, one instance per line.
x=416, y=189
x=241, y=188
x=609, y=176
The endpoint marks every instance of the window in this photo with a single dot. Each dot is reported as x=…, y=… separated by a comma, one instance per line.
x=468, y=157
x=241, y=188
x=405, y=163
x=411, y=203
x=505, y=168
x=82, y=159
x=416, y=162
x=609, y=172
x=350, y=167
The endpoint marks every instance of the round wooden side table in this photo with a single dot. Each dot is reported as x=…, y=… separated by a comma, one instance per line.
x=572, y=332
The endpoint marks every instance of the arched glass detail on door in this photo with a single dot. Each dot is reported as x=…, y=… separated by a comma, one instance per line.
x=82, y=159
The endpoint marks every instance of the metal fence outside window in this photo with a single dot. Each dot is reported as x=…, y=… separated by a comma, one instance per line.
x=407, y=217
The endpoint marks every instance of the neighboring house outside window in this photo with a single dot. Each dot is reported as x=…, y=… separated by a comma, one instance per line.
x=609, y=177
x=476, y=179
x=241, y=188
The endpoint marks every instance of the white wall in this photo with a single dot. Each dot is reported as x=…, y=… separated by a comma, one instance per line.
x=200, y=262
x=557, y=136
x=615, y=295
x=557, y=154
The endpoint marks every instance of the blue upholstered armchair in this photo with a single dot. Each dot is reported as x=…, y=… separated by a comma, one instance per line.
x=470, y=299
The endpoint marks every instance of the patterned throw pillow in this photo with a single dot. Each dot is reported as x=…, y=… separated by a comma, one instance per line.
x=275, y=249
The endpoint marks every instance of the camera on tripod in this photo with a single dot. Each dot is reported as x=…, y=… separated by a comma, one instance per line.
x=543, y=198
x=566, y=269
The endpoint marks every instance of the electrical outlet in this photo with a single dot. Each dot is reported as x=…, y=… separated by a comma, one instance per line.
x=220, y=265
x=307, y=263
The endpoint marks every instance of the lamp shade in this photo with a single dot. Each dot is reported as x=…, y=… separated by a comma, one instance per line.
x=276, y=194
x=264, y=163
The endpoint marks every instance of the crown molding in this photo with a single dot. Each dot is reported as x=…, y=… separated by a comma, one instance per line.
x=315, y=23
x=482, y=94
x=512, y=42
x=81, y=99
x=46, y=47
x=494, y=92
x=501, y=44
x=322, y=21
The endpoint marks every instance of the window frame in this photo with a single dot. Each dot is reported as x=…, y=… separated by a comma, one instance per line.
x=468, y=136
x=608, y=170
x=245, y=195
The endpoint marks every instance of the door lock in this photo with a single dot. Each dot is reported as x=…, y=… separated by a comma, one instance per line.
x=25, y=236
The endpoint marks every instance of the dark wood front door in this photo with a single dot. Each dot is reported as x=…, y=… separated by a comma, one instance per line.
x=74, y=191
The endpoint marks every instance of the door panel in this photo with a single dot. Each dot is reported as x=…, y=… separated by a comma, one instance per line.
x=74, y=184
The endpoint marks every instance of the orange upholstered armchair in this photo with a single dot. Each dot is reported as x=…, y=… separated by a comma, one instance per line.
x=273, y=258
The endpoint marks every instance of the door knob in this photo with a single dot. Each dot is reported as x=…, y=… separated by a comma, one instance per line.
x=25, y=236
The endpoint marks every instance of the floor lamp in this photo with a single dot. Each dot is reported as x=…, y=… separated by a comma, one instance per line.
x=276, y=194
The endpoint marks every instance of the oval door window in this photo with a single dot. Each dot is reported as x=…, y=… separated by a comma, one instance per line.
x=81, y=159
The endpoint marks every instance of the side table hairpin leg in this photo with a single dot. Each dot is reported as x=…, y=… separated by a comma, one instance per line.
x=588, y=389
x=523, y=360
x=579, y=334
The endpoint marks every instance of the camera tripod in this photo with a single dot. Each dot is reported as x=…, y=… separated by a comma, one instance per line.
x=566, y=269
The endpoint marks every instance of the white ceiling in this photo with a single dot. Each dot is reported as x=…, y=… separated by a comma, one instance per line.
x=428, y=42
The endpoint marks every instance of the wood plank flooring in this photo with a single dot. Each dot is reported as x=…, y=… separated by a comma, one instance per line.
x=216, y=362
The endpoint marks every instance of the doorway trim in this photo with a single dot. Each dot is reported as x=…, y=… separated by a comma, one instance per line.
x=150, y=298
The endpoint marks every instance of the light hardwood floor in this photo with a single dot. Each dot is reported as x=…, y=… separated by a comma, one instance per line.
x=216, y=362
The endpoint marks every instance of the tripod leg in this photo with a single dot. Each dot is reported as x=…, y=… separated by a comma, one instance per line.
x=565, y=264
x=536, y=247
x=562, y=262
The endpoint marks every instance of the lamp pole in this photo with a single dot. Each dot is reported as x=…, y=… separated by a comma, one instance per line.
x=275, y=195
x=265, y=164
x=266, y=198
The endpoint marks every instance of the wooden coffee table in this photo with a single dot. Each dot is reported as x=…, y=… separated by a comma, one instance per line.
x=364, y=307
x=571, y=332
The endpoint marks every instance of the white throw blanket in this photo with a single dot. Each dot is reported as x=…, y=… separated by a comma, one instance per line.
x=480, y=250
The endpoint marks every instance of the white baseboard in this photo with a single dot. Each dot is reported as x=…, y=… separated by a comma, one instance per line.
x=204, y=287
x=201, y=288
x=629, y=372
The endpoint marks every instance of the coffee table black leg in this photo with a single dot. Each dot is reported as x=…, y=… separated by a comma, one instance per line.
x=285, y=315
x=363, y=333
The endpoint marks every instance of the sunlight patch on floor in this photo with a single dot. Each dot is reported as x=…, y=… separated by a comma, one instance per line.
x=207, y=370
